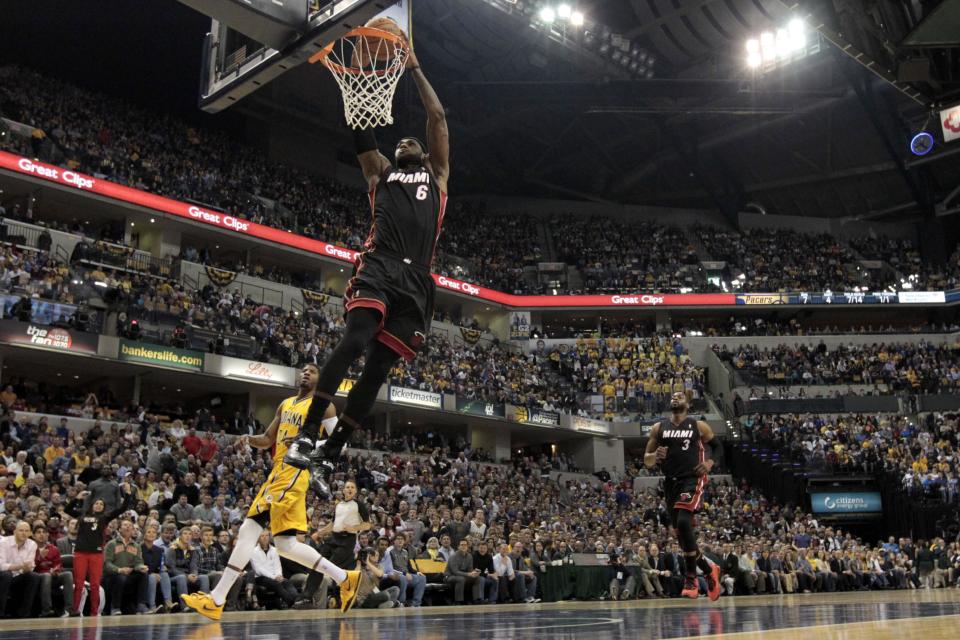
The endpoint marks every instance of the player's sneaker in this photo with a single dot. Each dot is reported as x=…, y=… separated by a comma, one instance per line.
x=203, y=604
x=320, y=472
x=690, y=589
x=713, y=583
x=299, y=452
x=348, y=590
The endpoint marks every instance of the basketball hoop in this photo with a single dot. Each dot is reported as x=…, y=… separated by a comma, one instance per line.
x=367, y=64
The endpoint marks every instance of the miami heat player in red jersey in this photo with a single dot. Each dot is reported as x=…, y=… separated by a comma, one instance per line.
x=389, y=299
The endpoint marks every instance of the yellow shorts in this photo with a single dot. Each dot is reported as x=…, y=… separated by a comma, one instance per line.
x=284, y=497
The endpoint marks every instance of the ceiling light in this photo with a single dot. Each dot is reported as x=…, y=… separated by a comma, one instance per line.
x=548, y=15
x=564, y=11
x=768, y=45
x=576, y=18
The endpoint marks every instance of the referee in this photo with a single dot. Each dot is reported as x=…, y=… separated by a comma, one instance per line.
x=351, y=517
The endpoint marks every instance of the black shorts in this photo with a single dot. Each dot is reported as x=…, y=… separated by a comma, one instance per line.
x=403, y=293
x=340, y=549
x=683, y=493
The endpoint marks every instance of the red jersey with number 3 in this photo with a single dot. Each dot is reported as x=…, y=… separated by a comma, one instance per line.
x=408, y=209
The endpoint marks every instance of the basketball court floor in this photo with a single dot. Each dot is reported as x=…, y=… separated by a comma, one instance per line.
x=890, y=615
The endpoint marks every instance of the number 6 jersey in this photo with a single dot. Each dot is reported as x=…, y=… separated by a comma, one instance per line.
x=408, y=209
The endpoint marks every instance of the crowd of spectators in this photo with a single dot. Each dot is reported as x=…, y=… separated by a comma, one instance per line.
x=160, y=153
x=785, y=260
x=923, y=367
x=489, y=249
x=922, y=455
x=174, y=499
x=617, y=257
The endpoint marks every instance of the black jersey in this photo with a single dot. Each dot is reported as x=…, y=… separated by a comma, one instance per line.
x=408, y=209
x=684, y=448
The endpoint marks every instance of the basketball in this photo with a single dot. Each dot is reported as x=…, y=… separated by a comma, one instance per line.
x=379, y=49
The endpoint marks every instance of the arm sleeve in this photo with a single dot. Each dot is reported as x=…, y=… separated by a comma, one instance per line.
x=363, y=140
x=275, y=566
x=5, y=563
x=109, y=555
x=716, y=450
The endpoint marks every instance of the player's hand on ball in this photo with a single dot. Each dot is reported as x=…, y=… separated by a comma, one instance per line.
x=412, y=62
x=661, y=454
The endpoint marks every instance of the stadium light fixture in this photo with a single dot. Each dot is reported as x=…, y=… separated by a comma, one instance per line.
x=564, y=11
x=779, y=46
x=548, y=15
x=576, y=19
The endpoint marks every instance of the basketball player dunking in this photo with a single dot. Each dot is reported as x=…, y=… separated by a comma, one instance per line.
x=389, y=299
x=281, y=504
x=677, y=445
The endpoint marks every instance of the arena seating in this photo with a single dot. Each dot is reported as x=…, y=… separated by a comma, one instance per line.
x=162, y=154
x=892, y=367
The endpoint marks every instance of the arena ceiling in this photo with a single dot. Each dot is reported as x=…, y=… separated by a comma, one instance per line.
x=532, y=115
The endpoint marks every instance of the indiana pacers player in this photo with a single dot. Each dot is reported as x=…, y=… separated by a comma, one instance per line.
x=281, y=503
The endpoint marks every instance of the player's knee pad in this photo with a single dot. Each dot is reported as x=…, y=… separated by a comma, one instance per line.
x=254, y=525
x=285, y=544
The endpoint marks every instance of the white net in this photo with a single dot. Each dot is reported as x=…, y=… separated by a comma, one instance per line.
x=367, y=64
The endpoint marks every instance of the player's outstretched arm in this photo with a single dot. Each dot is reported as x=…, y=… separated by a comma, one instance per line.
x=438, y=138
x=372, y=162
x=269, y=437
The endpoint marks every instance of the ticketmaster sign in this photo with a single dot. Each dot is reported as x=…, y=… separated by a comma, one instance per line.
x=416, y=397
x=846, y=503
x=161, y=356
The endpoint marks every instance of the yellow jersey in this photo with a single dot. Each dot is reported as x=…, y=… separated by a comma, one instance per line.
x=293, y=413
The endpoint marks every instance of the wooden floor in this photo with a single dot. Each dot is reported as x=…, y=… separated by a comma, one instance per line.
x=887, y=615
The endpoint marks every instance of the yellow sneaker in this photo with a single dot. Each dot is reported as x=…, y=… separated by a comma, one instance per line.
x=203, y=604
x=348, y=590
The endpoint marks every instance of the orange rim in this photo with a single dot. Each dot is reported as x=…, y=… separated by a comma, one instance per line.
x=323, y=55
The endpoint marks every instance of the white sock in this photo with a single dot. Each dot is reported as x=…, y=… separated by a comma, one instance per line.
x=242, y=550
x=329, y=425
x=288, y=547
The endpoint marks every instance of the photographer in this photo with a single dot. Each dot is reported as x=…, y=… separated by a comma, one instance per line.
x=368, y=596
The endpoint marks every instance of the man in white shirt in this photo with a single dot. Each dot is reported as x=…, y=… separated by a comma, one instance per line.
x=410, y=492
x=503, y=567
x=269, y=574
x=17, y=556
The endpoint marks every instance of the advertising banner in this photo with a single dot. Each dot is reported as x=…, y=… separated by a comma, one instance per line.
x=845, y=502
x=161, y=356
x=922, y=297
x=251, y=370
x=589, y=424
x=236, y=225
x=345, y=385
x=44, y=337
x=416, y=397
x=536, y=416
x=481, y=408
x=950, y=122
x=519, y=325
